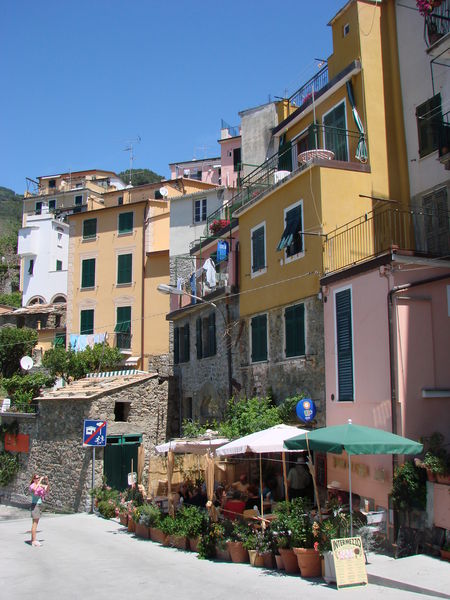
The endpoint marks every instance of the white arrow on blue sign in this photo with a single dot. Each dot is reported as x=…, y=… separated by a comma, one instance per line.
x=94, y=433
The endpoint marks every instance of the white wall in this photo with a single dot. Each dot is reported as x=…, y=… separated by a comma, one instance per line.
x=45, y=241
x=425, y=173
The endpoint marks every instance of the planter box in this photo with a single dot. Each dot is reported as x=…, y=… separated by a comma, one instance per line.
x=237, y=552
x=123, y=519
x=289, y=560
x=131, y=525
x=223, y=554
x=256, y=560
x=193, y=544
x=308, y=562
x=279, y=562
x=156, y=535
x=445, y=554
x=443, y=479
x=142, y=531
x=178, y=541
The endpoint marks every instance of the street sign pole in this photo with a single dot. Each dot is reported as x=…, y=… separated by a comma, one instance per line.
x=93, y=477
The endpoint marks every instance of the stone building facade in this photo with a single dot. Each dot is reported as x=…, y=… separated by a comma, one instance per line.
x=131, y=405
x=283, y=377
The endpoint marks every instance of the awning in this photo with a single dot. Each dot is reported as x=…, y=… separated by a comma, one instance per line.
x=292, y=227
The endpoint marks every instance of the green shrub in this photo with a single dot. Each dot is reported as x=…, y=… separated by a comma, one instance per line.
x=409, y=487
x=150, y=515
x=9, y=465
x=107, y=509
x=191, y=520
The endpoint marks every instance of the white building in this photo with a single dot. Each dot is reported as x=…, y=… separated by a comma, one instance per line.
x=43, y=248
x=424, y=56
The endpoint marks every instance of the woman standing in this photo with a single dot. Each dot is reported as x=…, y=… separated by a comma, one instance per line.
x=38, y=489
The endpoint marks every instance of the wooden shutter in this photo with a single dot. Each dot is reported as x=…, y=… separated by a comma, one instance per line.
x=295, y=330
x=89, y=228
x=126, y=222
x=344, y=343
x=186, y=343
x=258, y=249
x=259, y=338
x=199, y=341
x=335, y=132
x=88, y=273
x=284, y=154
x=212, y=334
x=124, y=268
x=86, y=322
x=176, y=345
x=429, y=119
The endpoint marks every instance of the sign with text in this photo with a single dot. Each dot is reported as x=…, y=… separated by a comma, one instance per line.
x=94, y=433
x=349, y=561
x=17, y=443
x=306, y=410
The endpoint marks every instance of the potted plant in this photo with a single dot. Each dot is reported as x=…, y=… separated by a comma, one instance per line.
x=290, y=528
x=145, y=517
x=156, y=530
x=235, y=543
x=409, y=489
x=436, y=460
x=217, y=225
x=336, y=526
x=173, y=527
x=259, y=546
x=192, y=523
x=212, y=541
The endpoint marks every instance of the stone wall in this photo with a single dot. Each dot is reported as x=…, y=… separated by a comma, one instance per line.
x=286, y=377
x=56, y=441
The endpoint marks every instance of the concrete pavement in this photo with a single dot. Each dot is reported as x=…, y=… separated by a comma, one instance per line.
x=84, y=555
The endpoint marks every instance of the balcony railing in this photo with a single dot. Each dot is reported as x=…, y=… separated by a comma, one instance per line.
x=437, y=23
x=320, y=142
x=426, y=232
x=304, y=94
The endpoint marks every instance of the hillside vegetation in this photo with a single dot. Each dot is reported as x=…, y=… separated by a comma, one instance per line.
x=10, y=210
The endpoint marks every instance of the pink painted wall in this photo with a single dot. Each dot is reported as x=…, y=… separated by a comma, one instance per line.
x=229, y=176
x=209, y=173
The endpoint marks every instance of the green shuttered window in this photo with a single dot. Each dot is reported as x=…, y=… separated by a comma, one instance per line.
x=123, y=327
x=294, y=322
x=199, y=340
x=335, y=126
x=176, y=345
x=258, y=249
x=89, y=229
x=126, y=222
x=87, y=322
x=124, y=268
x=259, y=338
x=88, y=273
x=344, y=343
x=429, y=119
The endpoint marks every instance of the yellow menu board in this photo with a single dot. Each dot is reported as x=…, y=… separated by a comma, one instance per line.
x=349, y=561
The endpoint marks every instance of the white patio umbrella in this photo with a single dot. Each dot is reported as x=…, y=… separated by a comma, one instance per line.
x=262, y=442
x=191, y=446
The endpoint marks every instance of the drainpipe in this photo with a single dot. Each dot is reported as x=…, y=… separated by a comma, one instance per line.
x=392, y=360
x=144, y=231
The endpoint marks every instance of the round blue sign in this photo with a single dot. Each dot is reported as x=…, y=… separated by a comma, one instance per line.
x=306, y=410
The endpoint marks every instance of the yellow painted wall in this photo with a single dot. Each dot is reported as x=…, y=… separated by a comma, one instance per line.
x=345, y=49
x=157, y=305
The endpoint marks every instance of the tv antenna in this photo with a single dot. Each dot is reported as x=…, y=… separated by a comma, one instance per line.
x=129, y=149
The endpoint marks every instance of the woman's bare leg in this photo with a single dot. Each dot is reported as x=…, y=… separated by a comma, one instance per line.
x=34, y=529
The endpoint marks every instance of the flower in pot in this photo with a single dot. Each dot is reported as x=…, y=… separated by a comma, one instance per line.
x=336, y=526
x=212, y=540
x=174, y=527
x=235, y=543
x=290, y=529
x=259, y=546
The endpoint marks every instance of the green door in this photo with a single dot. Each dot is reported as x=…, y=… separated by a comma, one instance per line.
x=120, y=452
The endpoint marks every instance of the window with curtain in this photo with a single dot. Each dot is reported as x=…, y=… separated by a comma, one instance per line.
x=88, y=273
x=294, y=328
x=259, y=338
x=87, y=322
x=124, y=269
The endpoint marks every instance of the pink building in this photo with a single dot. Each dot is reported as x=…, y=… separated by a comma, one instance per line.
x=387, y=357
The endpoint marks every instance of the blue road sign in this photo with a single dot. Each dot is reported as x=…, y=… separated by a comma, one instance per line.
x=94, y=433
x=306, y=410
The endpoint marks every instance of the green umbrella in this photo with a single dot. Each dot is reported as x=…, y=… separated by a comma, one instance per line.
x=354, y=439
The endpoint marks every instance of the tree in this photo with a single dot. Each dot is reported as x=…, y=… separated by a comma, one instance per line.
x=15, y=343
x=140, y=176
x=14, y=299
x=76, y=365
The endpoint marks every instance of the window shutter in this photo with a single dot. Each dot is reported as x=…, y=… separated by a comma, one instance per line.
x=89, y=228
x=124, y=268
x=295, y=330
x=186, y=343
x=284, y=154
x=198, y=331
x=126, y=222
x=86, y=322
x=88, y=273
x=344, y=344
x=259, y=338
x=212, y=334
x=176, y=345
x=258, y=249
x=429, y=119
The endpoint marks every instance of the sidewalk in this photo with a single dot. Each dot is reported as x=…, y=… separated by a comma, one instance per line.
x=421, y=574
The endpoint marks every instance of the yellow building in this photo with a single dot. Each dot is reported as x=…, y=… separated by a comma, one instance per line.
x=118, y=255
x=341, y=148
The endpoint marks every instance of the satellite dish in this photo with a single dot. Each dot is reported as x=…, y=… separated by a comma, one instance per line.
x=26, y=362
x=163, y=191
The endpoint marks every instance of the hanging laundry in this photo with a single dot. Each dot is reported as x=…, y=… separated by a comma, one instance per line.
x=222, y=250
x=193, y=282
x=180, y=283
x=210, y=271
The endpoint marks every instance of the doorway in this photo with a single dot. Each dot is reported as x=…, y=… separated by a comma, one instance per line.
x=121, y=451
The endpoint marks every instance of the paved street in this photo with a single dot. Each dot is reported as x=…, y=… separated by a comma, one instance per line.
x=84, y=555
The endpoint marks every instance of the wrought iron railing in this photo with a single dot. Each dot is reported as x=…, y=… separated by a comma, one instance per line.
x=425, y=232
x=339, y=144
x=304, y=94
x=437, y=23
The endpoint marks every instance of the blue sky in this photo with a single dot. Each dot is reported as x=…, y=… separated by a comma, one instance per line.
x=81, y=78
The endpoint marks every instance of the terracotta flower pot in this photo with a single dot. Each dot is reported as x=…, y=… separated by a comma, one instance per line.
x=431, y=476
x=156, y=535
x=269, y=563
x=142, y=531
x=237, y=552
x=193, y=544
x=289, y=560
x=178, y=541
x=308, y=562
x=279, y=562
x=445, y=479
x=123, y=518
x=131, y=525
x=223, y=554
x=256, y=560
